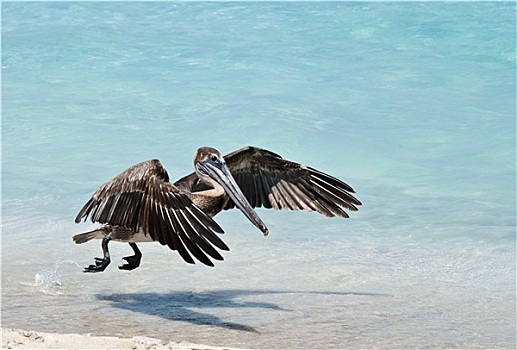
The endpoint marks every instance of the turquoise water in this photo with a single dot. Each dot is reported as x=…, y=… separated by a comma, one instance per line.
x=413, y=104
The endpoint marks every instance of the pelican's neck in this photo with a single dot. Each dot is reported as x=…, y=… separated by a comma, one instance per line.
x=216, y=189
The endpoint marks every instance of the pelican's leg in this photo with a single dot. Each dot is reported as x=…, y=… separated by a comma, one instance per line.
x=133, y=261
x=101, y=264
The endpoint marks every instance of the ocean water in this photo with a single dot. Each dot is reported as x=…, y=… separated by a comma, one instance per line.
x=412, y=104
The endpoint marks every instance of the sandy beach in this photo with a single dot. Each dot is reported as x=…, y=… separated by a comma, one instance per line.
x=22, y=339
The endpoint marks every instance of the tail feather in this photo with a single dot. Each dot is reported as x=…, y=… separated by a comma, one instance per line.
x=87, y=236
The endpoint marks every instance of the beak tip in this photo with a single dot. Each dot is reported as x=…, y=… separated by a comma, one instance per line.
x=266, y=231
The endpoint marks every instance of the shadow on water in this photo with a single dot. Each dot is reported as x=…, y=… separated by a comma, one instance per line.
x=184, y=306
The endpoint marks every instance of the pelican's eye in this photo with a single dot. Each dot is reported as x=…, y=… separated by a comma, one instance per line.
x=213, y=158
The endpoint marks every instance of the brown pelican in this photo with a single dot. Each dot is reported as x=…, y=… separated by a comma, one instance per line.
x=141, y=205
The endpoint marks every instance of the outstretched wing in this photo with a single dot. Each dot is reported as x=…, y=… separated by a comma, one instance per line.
x=142, y=199
x=267, y=180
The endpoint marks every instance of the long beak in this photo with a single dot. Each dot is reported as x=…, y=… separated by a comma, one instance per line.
x=222, y=175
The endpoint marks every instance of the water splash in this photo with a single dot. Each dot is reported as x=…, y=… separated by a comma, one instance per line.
x=50, y=280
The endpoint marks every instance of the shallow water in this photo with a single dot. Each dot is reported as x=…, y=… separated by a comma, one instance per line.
x=413, y=104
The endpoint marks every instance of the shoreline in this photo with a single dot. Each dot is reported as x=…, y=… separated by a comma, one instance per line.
x=24, y=339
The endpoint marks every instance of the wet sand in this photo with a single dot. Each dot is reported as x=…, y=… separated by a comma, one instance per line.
x=21, y=339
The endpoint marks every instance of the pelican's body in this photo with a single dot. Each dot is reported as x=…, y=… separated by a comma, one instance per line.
x=141, y=205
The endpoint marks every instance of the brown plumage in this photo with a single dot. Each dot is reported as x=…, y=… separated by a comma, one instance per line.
x=267, y=180
x=140, y=204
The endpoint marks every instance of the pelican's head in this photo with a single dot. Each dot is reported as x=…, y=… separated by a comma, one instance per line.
x=211, y=168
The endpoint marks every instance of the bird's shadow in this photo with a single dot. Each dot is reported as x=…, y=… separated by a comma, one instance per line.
x=184, y=306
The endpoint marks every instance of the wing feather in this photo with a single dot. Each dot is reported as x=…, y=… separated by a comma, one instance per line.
x=267, y=180
x=211, y=237
x=178, y=242
x=142, y=199
x=257, y=187
x=266, y=195
x=186, y=237
x=196, y=226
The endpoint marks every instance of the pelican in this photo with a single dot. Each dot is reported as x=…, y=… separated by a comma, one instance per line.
x=141, y=205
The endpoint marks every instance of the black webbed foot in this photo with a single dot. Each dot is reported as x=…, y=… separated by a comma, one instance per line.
x=100, y=265
x=133, y=261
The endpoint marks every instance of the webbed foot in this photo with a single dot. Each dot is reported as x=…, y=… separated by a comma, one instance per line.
x=133, y=262
x=100, y=265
